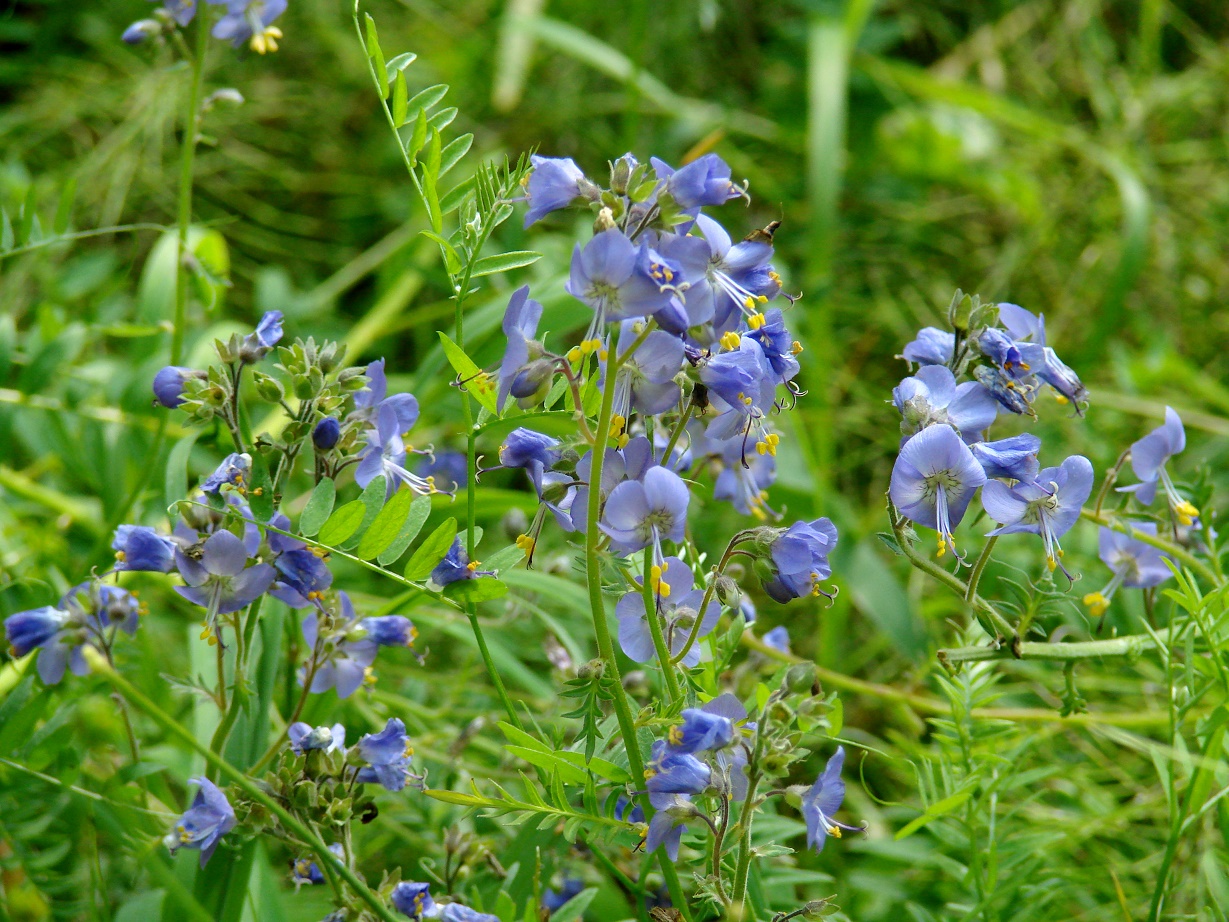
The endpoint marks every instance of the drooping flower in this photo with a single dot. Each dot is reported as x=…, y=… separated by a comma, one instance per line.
x=745, y=477
x=326, y=433
x=1017, y=360
x=646, y=379
x=932, y=347
x=304, y=738
x=139, y=31
x=533, y=451
x=780, y=348
x=619, y=465
x=250, y=22
x=523, y=371
x=1049, y=506
x=704, y=181
x=36, y=629
x=181, y=11
x=375, y=397
x=1013, y=395
x=1027, y=327
x=140, y=548
x=413, y=899
x=932, y=396
x=1149, y=456
x=609, y=276
x=343, y=654
x=386, y=454
x=933, y=480
x=306, y=871
x=639, y=514
x=169, y=383
x=678, y=604
x=220, y=581
x=555, y=183
x=1013, y=458
x=235, y=469
x=204, y=823
x=700, y=731
x=456, y=566
x=800, y=560
x=822, y=800
x=666, y=826
x=741, y=388
x=1134, y=563
x=670, y=771
x=778, y=638
x=387, y=755
x=457, y=912
x=268, y=333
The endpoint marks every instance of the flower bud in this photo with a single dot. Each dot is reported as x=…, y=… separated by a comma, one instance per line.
x=141, y=30
x=728, y=591
x=269, y=388
x=326, y=433
x=592, y=669
x=799, y=678
x=621, y=174
x=961, y=309
x=169, y=384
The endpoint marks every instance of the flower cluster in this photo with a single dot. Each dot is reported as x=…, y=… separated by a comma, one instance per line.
x=243, y=22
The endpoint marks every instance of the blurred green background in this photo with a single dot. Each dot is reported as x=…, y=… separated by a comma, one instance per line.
x=1066, y=156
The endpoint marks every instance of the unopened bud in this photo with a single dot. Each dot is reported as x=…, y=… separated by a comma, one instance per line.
x=728, y=591
x=799, y=678
x=268, y=387
x=592, y=669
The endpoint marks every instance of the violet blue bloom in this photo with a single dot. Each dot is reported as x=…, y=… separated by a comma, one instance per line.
x=800, y=560
x=1024, y=326
x=607, y=276
x=619, y=465
x=1049, y=506
x=169, y=382
x=628, y=810
x=326, y=433
x=732, y=759
x=704, y=181
x=742, y=389
x=387, y=755
x=386, y=454
x=646, y=380
x=1013, y=458
x=1017, y=360
x=235, y=469
x=778, y=639
x=306, y=871
x=933, y=396
x=1135, y=564
x=522, y=373
x=640, y=514
x=375, y=397
x=390, y=630
x=141, y=30
x=37, y=629
x=666, y=826
x=181, y=11
x=268, y=333
x=1148, y=459
x=745, y=478
x=456, y=912
x=822, y=800
x=1012, y=395
x=700, y=731
x=670, y=771
x=304, y=738
x=450, y=469
x=302, y=578
x=414, y=900
x=678, y=606
x=555, y=183
x=343, y=657
x=932, y=347
x=933, y=480
x=250, y=22
x=220, y=580
x=533, y=451
x=204, y=823
x=780, y=348
x=141, y=549
x=456, y=566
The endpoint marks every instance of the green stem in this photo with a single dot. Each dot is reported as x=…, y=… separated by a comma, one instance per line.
x=979, y=567
x=1173, y=550
x=288, y=820
x=708, y=595
x=186, y=162
x=649, y=592
x=1128, y=645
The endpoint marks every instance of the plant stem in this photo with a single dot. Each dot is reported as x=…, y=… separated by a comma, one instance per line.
x=186, y=162
x=979, y=567
x=649, y=593
x=708, y=596
x=1128, y=645
x=1173, y=550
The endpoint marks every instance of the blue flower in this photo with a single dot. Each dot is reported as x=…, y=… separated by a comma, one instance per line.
x=220, y=580
x=447, y=471
x=250, y=21
x=1013, y=458
x=670, y=771
x=304, y=738
x=741, y=388
x=1016, y=360
x=1026, y=327
x=169, y=382
x=387, y=755
x=666, y=826
x=140, y=548
x=326, y=433
x=235, y=469
x=568, y=888
x=37, y=629
x=704, y=181
x=619, y=465
x=268, y=333
x=744, y=478
x=778, y=639
x=204, y=823
x=390, y=630
x=607, y=276
x=413, y=899
x=139, y=31
x=700, y=731
x=933, y=396
x=800, y=560
x=639, y=514
x=385, y=455
x=530, y=450
x=933, y=480
x=628, y=810
x=1149, y=456
x=522, y=371
x=375, y=397
x=1049, y=506
x=678, y=604
x=90, y=612
x=343, y=655
x=455, y=912
x=555, y=183
x=302, y=577
x=1013, y=395
x=822, y=800
x=456, y=566
x=306, y=871
x=780, y=348
x=1135, y=564
x=932, y=347
x=646, y=380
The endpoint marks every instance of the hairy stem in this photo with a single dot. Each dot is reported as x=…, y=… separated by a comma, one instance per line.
x=650, y=595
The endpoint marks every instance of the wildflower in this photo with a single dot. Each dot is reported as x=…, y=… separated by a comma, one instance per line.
x=455, y=912
x=169, y=382
x=1134, y=563
x=932, y=347
x=933, y=480
x=140, y=548
x=778, y=639
x=326, y=433
x=778, y=345
x=606, y=275
x=204, y=823
x=741, y=388
x=1026, y=327
x=700, y=731
x=302, y=577
x=220, y=580
x=90, y=612
x=390, y=630
x=628, y=811
x=530, y=450
x=569, y=887
x=639, y=514
x=933, y=396
x=645, y=381
x=375, y=397
x=250, y=21
x=670, y=771
x=456, y=566
x=387, y=755
x=555, y=183
x=666, y=826
x=304, y=738
x=413, y=899
x=1148, y=459
x=522, y=371
x=268, y=333
x=822, y=800
x=678, y=604
x=800, y=560
x=704, y=181
x=745, y=477
x=346, y=649
x=1012, y=395
x=619, y=465
x=306, y=871
x=37, y=629
x=449, y=470
x=235, y=469
x=1012, y=458
x=139, y=31
x=1016, y=360
x=386, y=454
x=1048, y=506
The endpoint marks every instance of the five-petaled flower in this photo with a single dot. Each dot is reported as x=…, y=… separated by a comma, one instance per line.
x=1149, y=456
x=933, y=481
x=822, y=800
x=204, y=823
x=1134, y=563
x=1049, y=506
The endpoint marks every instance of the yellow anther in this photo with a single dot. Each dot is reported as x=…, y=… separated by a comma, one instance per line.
x=772, y=274
x=749, y=303
x=761, y=448
x=1061, y=399
x=575, y=354
x=1097, y=604
x=623, y=440
x=409, y=749
x=603, y=354
x=525, y=543
x=675, y=736
x=730, y=340
x=266, y=40
x=472, y=566
x=762, y=299
x=134, y=592
x=650, y=773
x=121, y=556
x=655, y=572
x=413, y=635
x=1186, y=512
x=834, y=831
x=755, y=321
x=320, y=552
x=745, y=399
x=369, y=676
x=207, y=634
x=1051, y=562
x=758, y=513
x=796, y=348
x=942, y=547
